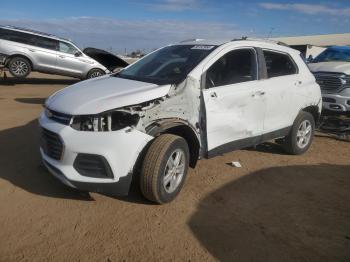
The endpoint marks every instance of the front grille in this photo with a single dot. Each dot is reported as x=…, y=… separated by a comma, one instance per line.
x=58, y=117
x=92, y=166
x=51, y=144
x=332, y=82
x=328, y=100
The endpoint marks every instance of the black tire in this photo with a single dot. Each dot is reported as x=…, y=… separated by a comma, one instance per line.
x=19, y=67
x=155, y=165
x=95, y=73
x=294, y=143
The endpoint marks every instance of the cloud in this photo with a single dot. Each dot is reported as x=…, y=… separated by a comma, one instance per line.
x=310, y=9
x=118, y=34
x=175, y=5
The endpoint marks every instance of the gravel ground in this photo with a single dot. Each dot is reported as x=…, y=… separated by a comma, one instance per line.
x=275, y=208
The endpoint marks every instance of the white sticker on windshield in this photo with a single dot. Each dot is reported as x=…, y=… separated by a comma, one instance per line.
x=203, y=47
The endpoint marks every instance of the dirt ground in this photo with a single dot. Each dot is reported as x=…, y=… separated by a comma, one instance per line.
x=275, y=208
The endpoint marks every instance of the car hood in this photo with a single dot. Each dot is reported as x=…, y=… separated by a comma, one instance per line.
x=335, y=67
x=108, y=60
x=102, y=94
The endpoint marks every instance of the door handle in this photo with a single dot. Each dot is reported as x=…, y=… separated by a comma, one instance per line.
x=31, y=50
x=258, y=93
x=62, y=56
x=213, y=94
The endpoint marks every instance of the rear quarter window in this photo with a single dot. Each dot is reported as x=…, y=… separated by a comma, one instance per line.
x=16, y=36
x=279, y=64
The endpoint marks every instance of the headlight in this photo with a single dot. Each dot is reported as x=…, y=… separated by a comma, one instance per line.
x=110, y=121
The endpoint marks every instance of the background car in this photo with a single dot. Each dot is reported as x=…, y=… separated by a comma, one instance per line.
x=332, y=71
x=24, y=50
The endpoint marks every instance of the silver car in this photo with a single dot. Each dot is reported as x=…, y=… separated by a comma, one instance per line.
x=332, y=71
x=23, y=50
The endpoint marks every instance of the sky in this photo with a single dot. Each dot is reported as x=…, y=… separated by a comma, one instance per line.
x=139, y=24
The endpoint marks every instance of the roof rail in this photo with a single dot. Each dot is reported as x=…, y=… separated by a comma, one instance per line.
x=245, y=38
x=33, y=31
x=191, y=40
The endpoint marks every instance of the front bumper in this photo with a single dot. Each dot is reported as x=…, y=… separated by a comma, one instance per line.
x=120, y=149
x=336, y=102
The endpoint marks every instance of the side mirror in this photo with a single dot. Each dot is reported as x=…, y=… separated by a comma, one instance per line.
x=77, y=54
x=310, y=59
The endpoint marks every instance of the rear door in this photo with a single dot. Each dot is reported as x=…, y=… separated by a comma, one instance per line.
x=234, y=101
x=280, y=86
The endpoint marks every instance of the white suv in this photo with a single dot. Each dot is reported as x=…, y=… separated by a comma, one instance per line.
x=191, y=100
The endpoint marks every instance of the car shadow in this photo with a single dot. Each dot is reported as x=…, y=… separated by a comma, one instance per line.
x=32, y=100
x=268, y=147
x=10, y=81
x=292, y=213
x=21, y=164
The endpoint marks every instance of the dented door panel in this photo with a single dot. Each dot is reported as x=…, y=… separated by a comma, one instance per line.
x=280, y=97
x=233, y=112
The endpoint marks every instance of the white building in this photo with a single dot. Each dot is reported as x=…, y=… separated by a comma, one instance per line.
x=315, y=44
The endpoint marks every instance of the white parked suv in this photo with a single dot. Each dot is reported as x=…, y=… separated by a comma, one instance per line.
x=196, y=99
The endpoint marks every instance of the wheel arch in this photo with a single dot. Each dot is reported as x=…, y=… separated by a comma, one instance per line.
x=314, y=111
x=9, y=58
x=180, y=128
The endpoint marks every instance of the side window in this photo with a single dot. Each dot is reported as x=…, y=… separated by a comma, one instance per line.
x=47, y=43
x=67, y=48
x=278, y=64
x=16, y=36
x=234, y=67
x=5, y=34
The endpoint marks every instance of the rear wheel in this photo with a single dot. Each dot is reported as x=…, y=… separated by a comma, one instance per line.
x=164, y=168
x=301, y=135
x=95, y=73
x=19, y=67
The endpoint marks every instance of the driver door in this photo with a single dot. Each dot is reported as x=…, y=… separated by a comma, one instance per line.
x=68, y=62
x=234, y=101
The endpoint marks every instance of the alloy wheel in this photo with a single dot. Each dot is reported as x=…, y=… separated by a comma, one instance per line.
x=174, y=171
x=19, y=68
x=304, y=134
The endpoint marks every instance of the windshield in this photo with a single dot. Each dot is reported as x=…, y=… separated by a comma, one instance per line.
x=334, y=54
x=169, y=65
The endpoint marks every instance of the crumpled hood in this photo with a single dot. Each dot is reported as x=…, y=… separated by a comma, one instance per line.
x=102, y=94
x=336, y=67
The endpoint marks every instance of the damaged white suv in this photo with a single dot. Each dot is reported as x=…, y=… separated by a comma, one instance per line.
x=191, y=100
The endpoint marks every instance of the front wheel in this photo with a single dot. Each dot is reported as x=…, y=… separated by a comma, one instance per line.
x=164, y=168
x=95, y=73
x=301, y=135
